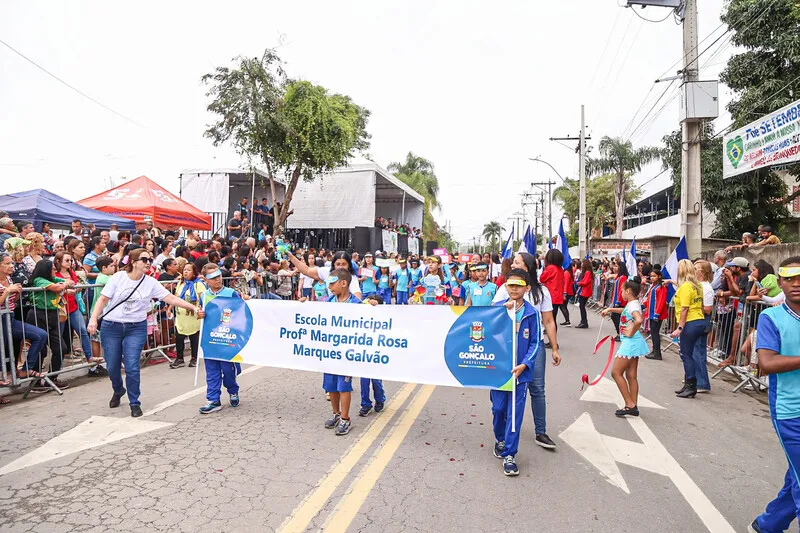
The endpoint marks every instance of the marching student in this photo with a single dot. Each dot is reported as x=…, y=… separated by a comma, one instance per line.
x=402, y=283
x=377, y=384
x=528, y=330
x=384, y=285
x=633, y=346
x=471, y=276
x=482, y=291
x=218, y=372
x=655, y=304
x=368, y=287
x=416, y=272
x=339, y=388
x=778, y=345
x=620, y=276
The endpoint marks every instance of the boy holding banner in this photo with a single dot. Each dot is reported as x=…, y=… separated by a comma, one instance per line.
x=527, y=324
x=218, y=372
x=340, y=388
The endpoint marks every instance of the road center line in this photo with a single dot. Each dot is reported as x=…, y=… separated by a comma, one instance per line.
x=304, y=513
x=346, y=511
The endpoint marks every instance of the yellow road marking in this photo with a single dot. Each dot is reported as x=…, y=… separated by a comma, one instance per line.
x=302, y=516
x=344, y=514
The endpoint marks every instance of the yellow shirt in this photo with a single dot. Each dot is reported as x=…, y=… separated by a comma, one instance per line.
x=186, y=322
x=687, y=296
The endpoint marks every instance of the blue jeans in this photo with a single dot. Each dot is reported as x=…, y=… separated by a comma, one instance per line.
x=217, y=373
x=377, y=389
x=786, y=506
x=692, y=332
x=124, y=341
x=78, y=325
x=699, y=354
x=538, y=402
x=20, y=331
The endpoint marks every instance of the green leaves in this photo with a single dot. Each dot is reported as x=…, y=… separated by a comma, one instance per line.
x=291, y=126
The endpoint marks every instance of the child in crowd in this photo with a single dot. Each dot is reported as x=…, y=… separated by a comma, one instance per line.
x=528, y=330
x=105, y=265
x=472, y=277
x=778, y=345
x=416, y=273
x=384, y=287
x=320, y=291
x=655, y=304
x=482, y=291
x=340, y=388
x=368, y=287
x=218, y=372
x=377, y=384
x=632, y=347
x=402, y=282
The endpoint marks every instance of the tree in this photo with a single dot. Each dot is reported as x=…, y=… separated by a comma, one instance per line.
x=622, y=160
x=493, y=232
x=418, y=173
x=600, y=207
x=291, y=126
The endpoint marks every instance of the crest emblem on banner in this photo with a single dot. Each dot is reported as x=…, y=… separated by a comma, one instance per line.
x=476, y=332
x=226, y=316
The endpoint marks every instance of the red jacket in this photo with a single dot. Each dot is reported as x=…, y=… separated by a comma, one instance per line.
x=553, y=278
x=655, y=303
x=585, y=285
x=569, y=285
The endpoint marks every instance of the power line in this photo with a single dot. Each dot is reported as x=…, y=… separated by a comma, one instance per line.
x=648, y=20
x=605, y=49
x=633, y=132
x=35, y=64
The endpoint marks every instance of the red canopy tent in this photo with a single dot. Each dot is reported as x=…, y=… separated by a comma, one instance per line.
x=142, y=197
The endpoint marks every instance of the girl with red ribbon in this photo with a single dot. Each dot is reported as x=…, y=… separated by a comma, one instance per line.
x=632, y=346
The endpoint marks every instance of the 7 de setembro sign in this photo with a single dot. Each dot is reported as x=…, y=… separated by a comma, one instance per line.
x=770, y=141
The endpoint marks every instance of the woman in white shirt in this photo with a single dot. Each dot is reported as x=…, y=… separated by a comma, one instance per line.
x=540, y=297
x=129, y=295
x=307, y=282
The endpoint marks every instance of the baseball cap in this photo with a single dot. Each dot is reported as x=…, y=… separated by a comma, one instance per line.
x=740, y=262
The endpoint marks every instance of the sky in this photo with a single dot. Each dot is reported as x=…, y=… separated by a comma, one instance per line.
x=476, y=87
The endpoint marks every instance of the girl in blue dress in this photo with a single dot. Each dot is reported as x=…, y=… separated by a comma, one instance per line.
x=632, y=347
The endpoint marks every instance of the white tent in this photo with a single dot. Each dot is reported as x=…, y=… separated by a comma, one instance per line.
x=353, y=197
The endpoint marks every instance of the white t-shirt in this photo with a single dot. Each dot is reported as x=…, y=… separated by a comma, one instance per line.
x=544, y=305
x=159, y=260
x=324, y=272
x=497, y=269
x=708, y=294
x=136, y=307
x=113, y=235
x=307, y=282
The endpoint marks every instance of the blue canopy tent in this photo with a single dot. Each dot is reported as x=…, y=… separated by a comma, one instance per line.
x=40, y=206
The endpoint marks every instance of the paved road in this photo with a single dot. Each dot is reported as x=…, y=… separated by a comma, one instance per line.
x=425, y=464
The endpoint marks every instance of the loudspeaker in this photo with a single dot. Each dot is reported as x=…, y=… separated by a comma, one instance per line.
x=430, y=245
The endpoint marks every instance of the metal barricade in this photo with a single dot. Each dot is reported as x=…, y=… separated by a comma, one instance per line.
x=732, y=343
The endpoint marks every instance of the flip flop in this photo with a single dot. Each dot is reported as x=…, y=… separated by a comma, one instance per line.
x=4, y=400
x=24, y=374
x=5, y=382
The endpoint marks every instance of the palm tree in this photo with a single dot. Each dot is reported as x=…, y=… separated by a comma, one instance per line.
x=622, y=160
x=418, y=173
x=493, y=231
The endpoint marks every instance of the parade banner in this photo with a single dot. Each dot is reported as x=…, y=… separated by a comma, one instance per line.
x=413, y=245
x=770, y=141
x=434, y=345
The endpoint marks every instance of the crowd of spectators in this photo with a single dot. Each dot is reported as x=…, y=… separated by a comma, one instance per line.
x=401, y=229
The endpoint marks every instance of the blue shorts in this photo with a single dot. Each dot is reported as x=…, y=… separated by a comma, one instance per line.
x=336, y=383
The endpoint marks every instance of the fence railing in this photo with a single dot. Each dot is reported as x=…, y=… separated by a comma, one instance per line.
x=37, y=344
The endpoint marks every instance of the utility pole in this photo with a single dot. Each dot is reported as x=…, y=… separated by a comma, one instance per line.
x=549, y=191
x=583, y=230
x=691, y=202
x=582, y=236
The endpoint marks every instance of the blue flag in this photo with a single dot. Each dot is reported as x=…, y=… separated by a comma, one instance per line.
x=630, y=261
x=563, y=245
x=530, y=241
x=507, y=250
x=670, y=268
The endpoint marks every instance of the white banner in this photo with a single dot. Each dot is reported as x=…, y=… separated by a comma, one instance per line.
x=413, y=246
x=389, y=240
x=436, y=345
x=770, y=141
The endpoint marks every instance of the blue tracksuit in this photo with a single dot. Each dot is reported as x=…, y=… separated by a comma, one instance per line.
x=377, y=389
x=384, y=289
x=220, y=372
x=402, y=279
x=779, y=331
x=529, y=334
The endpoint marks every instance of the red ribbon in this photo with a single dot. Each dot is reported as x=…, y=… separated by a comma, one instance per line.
x=585, y=378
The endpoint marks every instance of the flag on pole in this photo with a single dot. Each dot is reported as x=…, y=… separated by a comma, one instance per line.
x=562, y=244
x=530, y=241
x=523, y=244
x=630, y=262
x=508, y=249
x=670, y=268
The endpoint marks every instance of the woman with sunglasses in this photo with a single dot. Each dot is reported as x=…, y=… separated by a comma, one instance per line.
x=124, y=303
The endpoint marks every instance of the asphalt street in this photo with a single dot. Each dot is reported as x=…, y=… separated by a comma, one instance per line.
x=69, y=463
